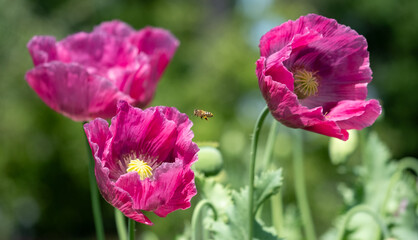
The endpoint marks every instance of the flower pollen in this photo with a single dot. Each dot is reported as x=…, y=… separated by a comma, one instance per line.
x=141, y=167
x=306, y=83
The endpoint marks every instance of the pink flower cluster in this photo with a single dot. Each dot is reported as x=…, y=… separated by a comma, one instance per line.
x=161, y=140
x=142, y=161
x=84, y=75
x=313, y=74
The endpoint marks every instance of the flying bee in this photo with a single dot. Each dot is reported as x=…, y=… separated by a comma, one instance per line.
x=202, y=114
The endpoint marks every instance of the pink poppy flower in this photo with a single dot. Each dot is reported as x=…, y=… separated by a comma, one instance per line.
x=142, y=161
x=313, y=74
x=84, y=75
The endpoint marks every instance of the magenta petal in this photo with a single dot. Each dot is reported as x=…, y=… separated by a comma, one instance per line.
x=138, y=84
x=159, y=44
x=118, y=197
x=143, y=131
x=42, y=49
x=185, y=149
x=279, y=37
x=83, y=48
x=98, y=51
x=276, y=69
x=330, y=129
x=97, y=134
x=355, y=114
x=91, y=96
x=172, y=189
x=155, y=40
x=284, y=105
x=180, y=194
x=115, y=28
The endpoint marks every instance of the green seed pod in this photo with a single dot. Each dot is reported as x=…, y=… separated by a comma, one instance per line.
x=339, y=150
x=210, y=161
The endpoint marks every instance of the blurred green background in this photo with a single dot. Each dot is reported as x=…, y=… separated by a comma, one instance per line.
x=44, y=190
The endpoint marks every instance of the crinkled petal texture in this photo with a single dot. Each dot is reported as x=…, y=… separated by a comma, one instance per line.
x=161, y=137
x=338, y=58
x=84, y=75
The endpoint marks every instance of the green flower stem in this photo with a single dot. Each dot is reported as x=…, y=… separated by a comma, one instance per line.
x=405, y=163
x=195, y=218
x=300, y=187
x=275, y=200
x=277, y=212
x=268, y=152
x=120, y=225
x=271, y=139
x=131, y=229
x=365, y=209
x=94, y=194
x=254, y=142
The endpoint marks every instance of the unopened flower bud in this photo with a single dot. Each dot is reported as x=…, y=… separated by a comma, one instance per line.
x=210, y=161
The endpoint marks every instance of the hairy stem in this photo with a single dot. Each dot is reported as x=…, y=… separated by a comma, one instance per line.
x=275, y=200
x=300, y=187
x=277, y=212
x=268, y=153
x=196, y=215
x=254, y=142
x=271, y=139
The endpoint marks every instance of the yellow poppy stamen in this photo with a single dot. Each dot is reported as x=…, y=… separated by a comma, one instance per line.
x=306, y=83
x=141, y=167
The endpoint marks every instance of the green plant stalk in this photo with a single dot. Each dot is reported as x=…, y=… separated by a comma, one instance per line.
x=365, y=209
x=131, y=229
x=268, y=152
x=271, y=139
x=94, y=194
x=300, y=187
x=120, y=225
x=277, y=212
x=275, y=200
x=253, y=154
x=195, y=218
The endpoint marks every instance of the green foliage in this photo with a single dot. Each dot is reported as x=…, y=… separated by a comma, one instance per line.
x=387, y=189
x=215, y=193
x=266, y=185
x=376, y=171
x=232, y=207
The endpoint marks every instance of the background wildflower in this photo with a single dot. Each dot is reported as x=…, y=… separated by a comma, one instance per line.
x=84, y=75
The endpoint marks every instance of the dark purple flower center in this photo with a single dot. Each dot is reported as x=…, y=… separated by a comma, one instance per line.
x=306, y=83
